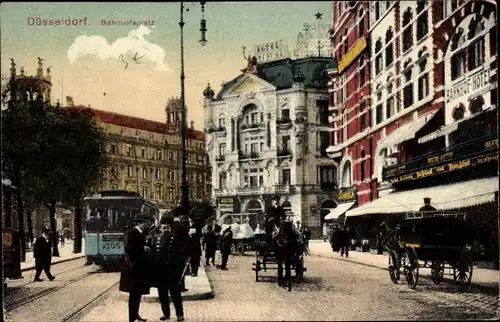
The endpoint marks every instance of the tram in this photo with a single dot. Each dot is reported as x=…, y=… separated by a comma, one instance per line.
x=109, y=215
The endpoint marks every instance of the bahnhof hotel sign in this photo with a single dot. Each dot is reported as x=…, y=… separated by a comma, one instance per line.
x=351, y=55
x=473, y=86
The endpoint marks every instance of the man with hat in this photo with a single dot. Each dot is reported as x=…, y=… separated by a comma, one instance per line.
x=427, y=205
x=274, y=215
x=135, y=277
x=42, y=254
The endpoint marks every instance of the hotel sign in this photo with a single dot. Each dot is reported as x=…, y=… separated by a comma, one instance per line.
x=473, y=86
x=352, y=54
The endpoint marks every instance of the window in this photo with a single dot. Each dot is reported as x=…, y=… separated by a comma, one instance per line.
x=254, y=117
x=129, y=151
x=361, y=76
x=422, y=20
x=476, y=53
x=254, y=148
x=361, y=24
x=408, y=88
x=344, y=126
x=143, y=153
x=159, y=154
x=387, y=5
x=130, y=171
x=170, y=156
x=454, y=5
x=171, y=175
x=222, y=121
x=158, y=193
x=390, y=107
x=286, y=176
x=113, y=149
x=378, y=57
x=342, y=90
x=144, y=173
x=362, y=116
x=171, y=194
x=389, y=49
x=326, y=177
x=458, y=65
x=407, y=30
x=346, y=174
x=379, y=111
x=285, y=114
x=158, y=174
x=363, y=165
x=222, y=149
x=222, y=180
x=285, y=142
x=145, y=192
x=459, y=113
x=423, y=80
x=377, y=10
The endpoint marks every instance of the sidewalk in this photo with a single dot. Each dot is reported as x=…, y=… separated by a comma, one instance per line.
x=484, y=278
x=65, y=255
x=198, y=289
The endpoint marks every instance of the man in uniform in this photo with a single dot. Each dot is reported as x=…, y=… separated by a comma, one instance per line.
x=274, y=215
x=427, y=205
x=210, y=242
x=170, y=264
x=225, y=247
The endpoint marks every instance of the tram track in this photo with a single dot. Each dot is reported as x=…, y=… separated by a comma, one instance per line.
x=33, y=297
x=30, y=280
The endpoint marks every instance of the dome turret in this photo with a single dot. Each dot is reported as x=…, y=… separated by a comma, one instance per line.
x=209, y=92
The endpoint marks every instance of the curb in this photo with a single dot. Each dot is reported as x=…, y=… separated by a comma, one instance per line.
x=190, y=297
x=29, y=268
x=482, y=287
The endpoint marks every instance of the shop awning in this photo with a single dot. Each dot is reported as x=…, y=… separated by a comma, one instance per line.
x=450, y=128
x=406, y=132
x=341, y=209
x=443, y=197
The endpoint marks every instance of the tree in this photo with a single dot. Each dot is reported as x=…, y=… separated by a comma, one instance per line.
x=86, y=159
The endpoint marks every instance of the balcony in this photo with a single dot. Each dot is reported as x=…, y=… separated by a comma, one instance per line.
x=220, y=158
x=467, y=154
x=284, y=153
x=214, y=129
x=252, y=126
x=284, y=122
x=248, y=156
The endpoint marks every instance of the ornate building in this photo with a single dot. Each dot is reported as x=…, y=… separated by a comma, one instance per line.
x=267, y=130
x=144, y=156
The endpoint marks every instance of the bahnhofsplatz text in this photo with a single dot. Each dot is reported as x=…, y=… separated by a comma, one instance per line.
x=127, y=22
x=63, y=21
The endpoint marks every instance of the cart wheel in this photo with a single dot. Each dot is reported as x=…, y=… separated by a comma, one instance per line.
x=240, y=248
x=411, y=267
x=462, y=272
x=394, y=266
x=437, y=272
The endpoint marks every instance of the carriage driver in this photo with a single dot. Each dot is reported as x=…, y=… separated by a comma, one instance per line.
x=274, y=215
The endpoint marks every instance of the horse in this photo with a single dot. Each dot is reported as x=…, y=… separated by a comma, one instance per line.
x=285, y=244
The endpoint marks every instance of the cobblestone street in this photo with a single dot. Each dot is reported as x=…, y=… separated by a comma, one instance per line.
x=332, y=290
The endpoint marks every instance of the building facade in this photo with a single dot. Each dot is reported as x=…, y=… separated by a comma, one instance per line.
x=144, y=156
x=350, y=101
x=267, y=131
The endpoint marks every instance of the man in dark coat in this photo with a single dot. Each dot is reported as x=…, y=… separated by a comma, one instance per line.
x=194, y=251
x=43, y=256
x=182, y=221
x=274, y=215
x=210, y=242
x=285, y=250
x=427, y=205
x=344, y=242
x=135, y=276
x=225, y=247
x=171, y=259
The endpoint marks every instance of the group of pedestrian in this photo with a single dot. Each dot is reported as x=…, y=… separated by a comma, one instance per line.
x=339, y=240
x=158, y=258
x=212, y=241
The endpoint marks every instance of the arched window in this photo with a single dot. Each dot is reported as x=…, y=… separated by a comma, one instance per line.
x=476, y=48
x=476, y=105
x=458, y=58
x=423, y=75
x=346, y=174
x=422, y=20
x=390, y=108
x=379, y=109
x=389, y=49
x=378, y=57
x=459, y=113
x=221, y=121
x=363, y=165
x=377, y=10
x=407, y=30
x=361, y=23
x=408, y=85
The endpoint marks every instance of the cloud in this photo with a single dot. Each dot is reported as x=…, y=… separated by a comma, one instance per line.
x=133, y=42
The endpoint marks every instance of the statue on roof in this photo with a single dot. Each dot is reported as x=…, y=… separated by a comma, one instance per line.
x=251, y=63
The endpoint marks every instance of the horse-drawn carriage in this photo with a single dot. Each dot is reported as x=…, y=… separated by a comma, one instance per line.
x=442, y=241
x=265, y=255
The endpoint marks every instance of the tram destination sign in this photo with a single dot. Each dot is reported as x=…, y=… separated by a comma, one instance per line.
x=453, y=166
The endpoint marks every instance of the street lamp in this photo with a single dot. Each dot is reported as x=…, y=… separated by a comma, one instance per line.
x=184, y=202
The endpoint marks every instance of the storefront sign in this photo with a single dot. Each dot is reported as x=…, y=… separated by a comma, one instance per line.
x=352, y=54
x=347, y=194
x=447, y=167
x=226, y=204
x=470, y=85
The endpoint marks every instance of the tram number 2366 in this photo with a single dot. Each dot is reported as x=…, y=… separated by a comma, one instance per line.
x=111, y=246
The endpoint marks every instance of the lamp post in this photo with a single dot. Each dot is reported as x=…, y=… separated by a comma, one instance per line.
x=184, y=202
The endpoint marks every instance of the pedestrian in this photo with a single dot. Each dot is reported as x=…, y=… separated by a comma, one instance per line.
x=62, y=239
x=334, y=239
x=307, y=236
x=42, y=251
x=344, y=245
x=210, y=243
x=274, y=215
x=183, y=223
x=225, y=247
x=195, y=251
x=171, y=260
x=135, y=276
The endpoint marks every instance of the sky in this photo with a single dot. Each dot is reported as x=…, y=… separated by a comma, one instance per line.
x=94, y=63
